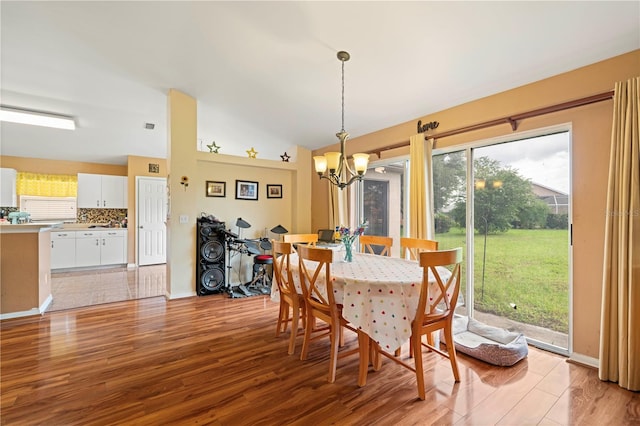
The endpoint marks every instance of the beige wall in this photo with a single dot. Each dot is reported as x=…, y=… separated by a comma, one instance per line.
x=138, y=166
x=59, y=167
x=591, y=134
x=292, y=211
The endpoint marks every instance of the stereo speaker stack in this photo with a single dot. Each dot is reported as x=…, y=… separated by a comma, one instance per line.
x=211, y=256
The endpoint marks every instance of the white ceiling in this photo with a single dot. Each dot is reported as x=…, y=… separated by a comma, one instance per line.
x=265, y=74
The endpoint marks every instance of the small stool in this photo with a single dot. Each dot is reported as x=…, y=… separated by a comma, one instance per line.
x=260, y=272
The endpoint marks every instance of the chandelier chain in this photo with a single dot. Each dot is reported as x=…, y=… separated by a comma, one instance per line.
x=342, y=95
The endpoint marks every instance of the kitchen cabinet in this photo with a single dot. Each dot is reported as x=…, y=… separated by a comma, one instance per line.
x=112, y=247
x=8, y=188
x=63, y=250
x=102, y=191
x=87, y=248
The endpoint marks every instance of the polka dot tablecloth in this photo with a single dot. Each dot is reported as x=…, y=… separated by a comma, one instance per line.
x=379, y=294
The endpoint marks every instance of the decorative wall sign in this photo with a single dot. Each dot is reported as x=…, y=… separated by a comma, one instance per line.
x=427, y=126
x=246, y=190
x=274, y=191
x=216, y=189
x=154, y=168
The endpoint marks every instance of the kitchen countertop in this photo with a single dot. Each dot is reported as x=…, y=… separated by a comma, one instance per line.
x=9, y=228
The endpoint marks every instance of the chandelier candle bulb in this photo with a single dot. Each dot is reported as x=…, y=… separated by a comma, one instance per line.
x=360, y=162
x=320, y=164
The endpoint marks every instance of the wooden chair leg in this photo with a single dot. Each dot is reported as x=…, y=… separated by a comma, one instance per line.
x=295, y=319
x=417, y=357
x=307, y=336
x=451, y=349
x=282, y=317
x=334, y=335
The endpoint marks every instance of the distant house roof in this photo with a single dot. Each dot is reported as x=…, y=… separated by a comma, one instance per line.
x=557, y=201
x=545, y=191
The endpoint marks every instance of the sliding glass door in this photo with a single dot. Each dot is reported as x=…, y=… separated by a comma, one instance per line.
x=507, y=205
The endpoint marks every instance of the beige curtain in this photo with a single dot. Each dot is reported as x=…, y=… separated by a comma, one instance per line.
x=421, y=223
x=620, y=317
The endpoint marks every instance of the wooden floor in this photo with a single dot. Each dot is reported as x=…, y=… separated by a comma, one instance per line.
x=215, y=360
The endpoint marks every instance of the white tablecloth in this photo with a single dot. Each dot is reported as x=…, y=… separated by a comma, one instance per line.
x=379, y=294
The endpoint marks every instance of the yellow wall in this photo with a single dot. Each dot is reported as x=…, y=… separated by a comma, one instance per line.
x=591, y=134
x=138, y=166
x=59, y=167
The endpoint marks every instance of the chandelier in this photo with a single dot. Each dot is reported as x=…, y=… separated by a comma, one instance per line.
x=340, y=173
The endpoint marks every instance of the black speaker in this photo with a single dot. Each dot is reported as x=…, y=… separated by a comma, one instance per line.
x=210, y=265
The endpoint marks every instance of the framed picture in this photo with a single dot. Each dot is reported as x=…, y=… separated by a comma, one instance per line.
x=246, y=190
x=216, y=189
x=274, y=191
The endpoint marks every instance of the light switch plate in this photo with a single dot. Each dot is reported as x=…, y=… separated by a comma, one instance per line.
x=184, y=218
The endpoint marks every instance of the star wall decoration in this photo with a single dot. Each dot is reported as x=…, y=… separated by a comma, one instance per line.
x=252, y=153
x=285, y=157
x=213, y=147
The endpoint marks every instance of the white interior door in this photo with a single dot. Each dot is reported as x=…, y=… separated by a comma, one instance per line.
x=151, y=215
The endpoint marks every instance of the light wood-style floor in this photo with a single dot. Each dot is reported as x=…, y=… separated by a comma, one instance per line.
x=216, y=360
x=74, y=289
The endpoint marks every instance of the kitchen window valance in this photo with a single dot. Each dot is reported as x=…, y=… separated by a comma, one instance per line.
x=45, y=185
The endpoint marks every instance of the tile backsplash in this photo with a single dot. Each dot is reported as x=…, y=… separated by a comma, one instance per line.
x=88, y=215
x=101, y=215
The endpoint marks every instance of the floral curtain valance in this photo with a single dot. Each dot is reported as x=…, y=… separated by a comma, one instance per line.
x=47, y=185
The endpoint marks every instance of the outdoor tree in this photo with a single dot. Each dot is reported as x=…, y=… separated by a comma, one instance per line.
x=449, y=172
x=502, y=198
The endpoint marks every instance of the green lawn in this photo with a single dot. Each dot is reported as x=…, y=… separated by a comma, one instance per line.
x=525, y=267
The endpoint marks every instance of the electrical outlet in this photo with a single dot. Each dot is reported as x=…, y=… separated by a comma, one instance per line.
x=184, y=218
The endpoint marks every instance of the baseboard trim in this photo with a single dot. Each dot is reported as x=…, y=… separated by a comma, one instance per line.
x=31, y=312
x=46, y=303
x=172, y=296
x=584, y=360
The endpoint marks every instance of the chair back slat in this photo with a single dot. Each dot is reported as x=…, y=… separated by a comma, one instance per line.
x=310, y=239
x=282, y=267
x=410, y=248
x=439, y=301
x=367, y=241
x=310, y=272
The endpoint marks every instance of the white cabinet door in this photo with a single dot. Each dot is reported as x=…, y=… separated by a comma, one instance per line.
x=112, y=196
x=87, y=248
x=89, y=191
x=8, y=188
x=63, y=250
x=102, y=191
x=112, y=248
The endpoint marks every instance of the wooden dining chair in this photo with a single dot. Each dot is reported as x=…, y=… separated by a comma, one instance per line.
x=310, y=239
x=410, y=248
x=321, y=305
x=366, y=241
x=292, y=306
x=436, y=307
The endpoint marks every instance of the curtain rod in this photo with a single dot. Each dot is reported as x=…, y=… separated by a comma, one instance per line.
x=512, y=119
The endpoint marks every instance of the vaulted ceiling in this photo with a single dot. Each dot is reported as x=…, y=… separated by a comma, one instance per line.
x=265, y=74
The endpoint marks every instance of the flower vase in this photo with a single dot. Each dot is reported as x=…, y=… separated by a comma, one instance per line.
x=348, y=251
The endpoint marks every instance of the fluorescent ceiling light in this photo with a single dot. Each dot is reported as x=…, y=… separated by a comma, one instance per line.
x=36, y=118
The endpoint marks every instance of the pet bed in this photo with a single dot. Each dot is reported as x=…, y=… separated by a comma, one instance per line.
x=493, y=345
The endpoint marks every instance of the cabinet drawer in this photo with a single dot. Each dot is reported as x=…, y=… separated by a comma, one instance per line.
x=63, y=235
x=87, y=234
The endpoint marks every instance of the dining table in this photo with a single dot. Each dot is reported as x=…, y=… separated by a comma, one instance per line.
x=379, y=294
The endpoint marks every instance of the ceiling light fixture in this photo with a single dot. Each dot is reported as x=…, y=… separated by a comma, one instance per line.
x=336, y=162
x=36, y=118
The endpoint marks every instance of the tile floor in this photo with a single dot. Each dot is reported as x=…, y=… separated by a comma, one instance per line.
x=92, y=287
